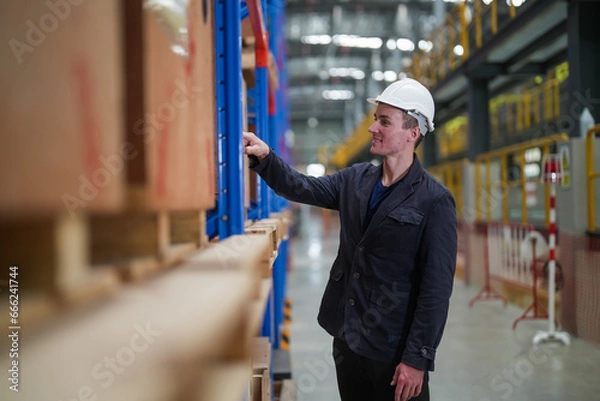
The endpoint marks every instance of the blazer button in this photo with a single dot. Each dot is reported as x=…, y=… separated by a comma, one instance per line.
x=356, y=275
x=423, y=351
x=362, y=249
x=351, y=302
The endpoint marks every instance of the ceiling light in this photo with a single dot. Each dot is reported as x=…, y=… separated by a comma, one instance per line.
x=425, y=45
x=338, y=94
x=487, y=2
x=390, y=76
x=377, y=75
x=345, y=72
x=315, y=170
x=391, y=44
x=516, y=3
x=357, y=41
x=406, y=45
x=316, y=39
x=312, y=122
x=458, y=50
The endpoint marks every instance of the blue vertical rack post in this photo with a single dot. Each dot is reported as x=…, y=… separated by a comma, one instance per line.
x=230, y=201
x=271, y=120
x=256, y=12
x=261, y=91
x=278, y=120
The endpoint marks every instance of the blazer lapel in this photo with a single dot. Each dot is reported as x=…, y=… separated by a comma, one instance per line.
x=367, y=185
x=398, y=195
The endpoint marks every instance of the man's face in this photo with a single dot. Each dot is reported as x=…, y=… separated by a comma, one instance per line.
x=389, y=138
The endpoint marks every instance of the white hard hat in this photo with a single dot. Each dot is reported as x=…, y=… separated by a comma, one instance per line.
x=412, y=97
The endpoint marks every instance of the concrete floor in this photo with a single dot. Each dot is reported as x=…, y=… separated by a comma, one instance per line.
x=480, y=358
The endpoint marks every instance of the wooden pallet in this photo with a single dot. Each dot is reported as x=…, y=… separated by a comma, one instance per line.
x=261, y=369
x=149, y=329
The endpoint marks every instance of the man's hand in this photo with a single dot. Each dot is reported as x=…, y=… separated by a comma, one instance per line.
x=408, y=382
x=255, y=147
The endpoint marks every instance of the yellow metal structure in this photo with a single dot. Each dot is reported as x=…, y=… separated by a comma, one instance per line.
x=354, y=144
x=591, y=175
x=464, y=25
x=451, y=175
x=518, y=150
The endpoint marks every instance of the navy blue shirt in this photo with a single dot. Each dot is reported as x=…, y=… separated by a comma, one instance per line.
x=380, y=192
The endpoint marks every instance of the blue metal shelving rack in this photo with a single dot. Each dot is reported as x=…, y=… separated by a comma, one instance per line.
x=270, y=117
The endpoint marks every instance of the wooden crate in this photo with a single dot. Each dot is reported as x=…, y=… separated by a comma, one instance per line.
x=62, y=147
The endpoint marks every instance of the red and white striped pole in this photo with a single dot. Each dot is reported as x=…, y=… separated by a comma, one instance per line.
x=552, y=261
x=552, y=176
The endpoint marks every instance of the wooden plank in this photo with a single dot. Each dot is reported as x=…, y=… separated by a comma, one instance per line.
x=257, y=308
x=260, y=354
x=239, y=252
x=189, y=226
x=264, y=230
x=267, y=225
x=223, y=382
x=61, y=109
x=162, y=322
x=53, y=259
x=289, y=390
x=122, y=237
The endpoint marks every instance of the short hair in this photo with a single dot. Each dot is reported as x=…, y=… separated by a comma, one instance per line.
x=409, y=121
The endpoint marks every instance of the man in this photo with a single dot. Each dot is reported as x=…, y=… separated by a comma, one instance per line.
x=387, y=298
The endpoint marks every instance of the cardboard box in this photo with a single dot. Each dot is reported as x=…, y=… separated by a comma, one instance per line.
x=61, y=109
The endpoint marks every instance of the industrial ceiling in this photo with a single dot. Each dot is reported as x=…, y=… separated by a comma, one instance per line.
x=342, y=51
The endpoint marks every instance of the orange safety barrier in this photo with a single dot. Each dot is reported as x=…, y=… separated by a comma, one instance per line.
x=511, y=253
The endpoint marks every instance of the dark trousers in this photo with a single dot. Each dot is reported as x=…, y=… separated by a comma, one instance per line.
x=363, y=379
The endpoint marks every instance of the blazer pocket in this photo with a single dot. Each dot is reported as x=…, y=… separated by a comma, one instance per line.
x=407, y=216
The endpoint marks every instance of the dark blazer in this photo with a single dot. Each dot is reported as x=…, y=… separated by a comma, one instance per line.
x=389, y=287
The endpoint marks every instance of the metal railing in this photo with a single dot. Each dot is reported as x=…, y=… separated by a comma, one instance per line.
x=490, y=187
x=451, y=175
x=517, y=112
x=591, y=176
x=466, y=27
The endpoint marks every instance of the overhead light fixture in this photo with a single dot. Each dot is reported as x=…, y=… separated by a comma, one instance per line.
x=315, y=170
x=357, y=41
x=390, y=76
x=337, y=94
x=487, y=2
x=316, y=39
x=458, y=50
x=377, y=75
x=406, y=45
x=312, y=122
x=391, y=44
x=516, y=3
x=344, y=72
x=425, y=45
